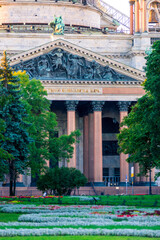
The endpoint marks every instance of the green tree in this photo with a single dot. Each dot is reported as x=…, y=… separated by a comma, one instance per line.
x=12, y=112
x=152, y=85
x=4, y=155
x=140, y=137
x=43, y=128
x=61, y=181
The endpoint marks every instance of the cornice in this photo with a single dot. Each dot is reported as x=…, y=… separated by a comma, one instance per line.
x=74, y=49
x=85, y=82
x=68, y=37
x=117, y=56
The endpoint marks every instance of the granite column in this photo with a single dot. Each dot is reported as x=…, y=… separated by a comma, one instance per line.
x=124, y=166
x=71, y=126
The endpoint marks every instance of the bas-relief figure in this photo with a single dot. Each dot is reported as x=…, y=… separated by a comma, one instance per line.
x=59, y=64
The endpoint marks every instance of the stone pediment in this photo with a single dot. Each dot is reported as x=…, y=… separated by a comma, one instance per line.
x=61, y=60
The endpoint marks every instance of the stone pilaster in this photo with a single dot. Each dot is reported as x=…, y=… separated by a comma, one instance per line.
x=71, y=126
x=124, y=166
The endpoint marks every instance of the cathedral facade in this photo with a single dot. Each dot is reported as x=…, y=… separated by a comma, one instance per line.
x=92, y=72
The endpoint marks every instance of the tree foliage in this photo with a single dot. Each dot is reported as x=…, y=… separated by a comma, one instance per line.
x=140, y=137
x=43, y=127
x=4, y=155
x=136, y=138
x=12, y=112
x=61, y=181
x=152, y=84
x=25, y=109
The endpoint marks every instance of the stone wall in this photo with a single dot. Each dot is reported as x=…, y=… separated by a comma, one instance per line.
x=32, y=191
x=43, y=12
x=119, y=47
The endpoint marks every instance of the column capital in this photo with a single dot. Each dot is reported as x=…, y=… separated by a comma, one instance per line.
x=71, y=105
x=97, y=105
x=123, y=106
x=131, y=2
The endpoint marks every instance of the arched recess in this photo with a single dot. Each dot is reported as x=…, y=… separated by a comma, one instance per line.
x=153, y=15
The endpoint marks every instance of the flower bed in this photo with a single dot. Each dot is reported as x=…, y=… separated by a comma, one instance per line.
x=81, y=220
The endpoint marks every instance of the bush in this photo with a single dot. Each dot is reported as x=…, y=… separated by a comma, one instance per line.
x=61, y=181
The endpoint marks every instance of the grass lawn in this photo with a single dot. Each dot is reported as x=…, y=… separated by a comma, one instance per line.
x=139, y=201
x=9, y=217
x=85, y=227
x=77, y=238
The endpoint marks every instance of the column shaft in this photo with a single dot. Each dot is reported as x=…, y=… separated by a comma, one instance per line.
x=85, y=146
x=124, y=166
x=153, y=175
x=91, y=147
x=98, y=164
x=137, y=28
x=131, y=17
x=144, y=16
x=20, y=178
x=136, y=170
x=71, y=126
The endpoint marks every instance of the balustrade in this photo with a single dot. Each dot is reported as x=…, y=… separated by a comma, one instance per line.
x=111, y=181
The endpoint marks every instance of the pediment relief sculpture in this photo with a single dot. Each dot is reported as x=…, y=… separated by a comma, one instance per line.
x=60, y=64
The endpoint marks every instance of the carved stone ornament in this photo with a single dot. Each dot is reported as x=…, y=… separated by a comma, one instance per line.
x=123, y=106
x=97, y=105
x=71, y=105
x=59, y=64
x=57, y=25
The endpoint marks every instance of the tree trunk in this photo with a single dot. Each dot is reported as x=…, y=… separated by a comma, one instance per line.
x=11, y=182
x=150, y=182
x=11, y=188
x=14, y=189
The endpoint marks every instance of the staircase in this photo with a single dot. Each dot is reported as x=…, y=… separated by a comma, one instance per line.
x=112, y=12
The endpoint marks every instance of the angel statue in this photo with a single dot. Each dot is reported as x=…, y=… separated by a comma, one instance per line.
x=57, y=25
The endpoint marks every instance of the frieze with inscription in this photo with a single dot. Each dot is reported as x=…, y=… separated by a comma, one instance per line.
x=74, y=90
x=60, y=64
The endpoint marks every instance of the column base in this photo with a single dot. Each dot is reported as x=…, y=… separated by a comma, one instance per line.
x=99, y=184
x=18, y=184
x=145, y=32
x=144, y=184
x=96, y=184
x=123, y=184
x=138, y=33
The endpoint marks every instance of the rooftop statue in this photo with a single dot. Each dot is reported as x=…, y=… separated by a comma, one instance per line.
x=57, y=25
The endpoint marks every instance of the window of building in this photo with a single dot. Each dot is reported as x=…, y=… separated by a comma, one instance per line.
x=117, y=172
x=110, y=125
x=105, y=172
x=154, y=40
x=110, y=148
